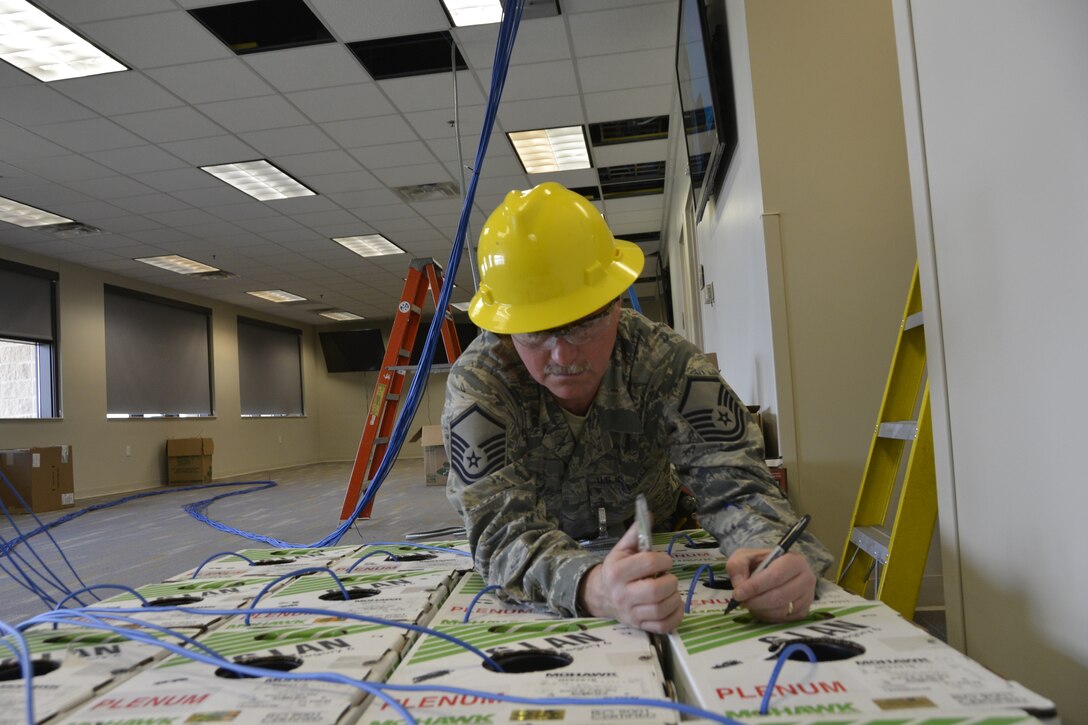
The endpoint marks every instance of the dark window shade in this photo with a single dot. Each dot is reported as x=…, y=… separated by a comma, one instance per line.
x=158, y=355
x=26, y=303
x=269, y=368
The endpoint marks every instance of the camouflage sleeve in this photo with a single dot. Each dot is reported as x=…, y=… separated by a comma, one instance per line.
x=718, y=452
x=515, y=544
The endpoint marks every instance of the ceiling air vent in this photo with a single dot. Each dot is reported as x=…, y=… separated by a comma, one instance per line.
x=438, y=191
x=69, y=229
x=630, y=130
x=407, y=55
x=626, y=180
x=261, y=25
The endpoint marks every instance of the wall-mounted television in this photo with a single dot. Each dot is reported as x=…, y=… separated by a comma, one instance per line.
x=705, y=78
x=466, y=333
x=350, y=351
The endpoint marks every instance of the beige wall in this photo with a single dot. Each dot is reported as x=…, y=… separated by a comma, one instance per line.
x=334, y=403
x=839, y=224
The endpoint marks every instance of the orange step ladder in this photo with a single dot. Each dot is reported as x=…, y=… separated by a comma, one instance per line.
x=423, y=274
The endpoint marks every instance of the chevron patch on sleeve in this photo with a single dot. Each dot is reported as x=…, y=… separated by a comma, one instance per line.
x=712, y=410
x=477, y=445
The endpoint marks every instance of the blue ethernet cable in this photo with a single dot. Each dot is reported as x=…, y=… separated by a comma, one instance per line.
x=472, y=604
x=414, y=545
x=695, y=580
x=25, y=664
x=292, y=575
x=668, y=549
x=216, y=556
x=93, y=587
x=784, y=655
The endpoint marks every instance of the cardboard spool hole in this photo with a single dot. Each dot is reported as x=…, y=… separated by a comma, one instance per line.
x=178, y=601
x=278, y=663
x=14, y=671
x=412, y=557
x=528, y=660
x=273, y=562
x=720, y=582
x=335, y=595
x=702, y=545
x=826, y=649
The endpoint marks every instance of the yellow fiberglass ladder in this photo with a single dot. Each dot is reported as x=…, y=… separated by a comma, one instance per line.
x=897, y=549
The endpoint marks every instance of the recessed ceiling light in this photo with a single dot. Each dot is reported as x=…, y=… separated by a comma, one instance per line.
x=20, y=214
x=177, y=263
x=340, y=315
x=369, y=245
x=473, y=12
x=260, y=179
x=276, y=295
x=551, y=149
x=34, y=42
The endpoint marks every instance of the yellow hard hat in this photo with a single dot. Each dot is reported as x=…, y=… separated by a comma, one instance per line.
x=547, y=258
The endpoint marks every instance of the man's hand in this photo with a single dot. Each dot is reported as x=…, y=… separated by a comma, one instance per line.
x=780, y=593
x=634, y=587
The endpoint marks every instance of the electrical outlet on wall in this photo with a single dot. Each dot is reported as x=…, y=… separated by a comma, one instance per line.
x=128, y=450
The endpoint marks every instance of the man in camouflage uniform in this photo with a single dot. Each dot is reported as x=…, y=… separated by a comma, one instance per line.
x=568, y=404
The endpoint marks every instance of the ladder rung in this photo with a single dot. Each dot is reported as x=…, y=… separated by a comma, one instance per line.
x=381, y=440
x=873, y=540
x=392, y=396
x=904, y=430
x=912, y=321
x=404, y=353
x=435, y=367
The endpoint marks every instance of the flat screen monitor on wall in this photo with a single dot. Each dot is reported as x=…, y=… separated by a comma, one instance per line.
x=349, y=351
x=705, y=79
x=466, y=333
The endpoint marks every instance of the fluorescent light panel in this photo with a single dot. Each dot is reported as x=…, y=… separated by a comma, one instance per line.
x=340, y=315
x=369, y=245
x=33, y=41
x=463, y=306
x=276, y=295
x=473, y=12
x=260, y=179
x=22, y=215
x=551, y=149
x=177, y=263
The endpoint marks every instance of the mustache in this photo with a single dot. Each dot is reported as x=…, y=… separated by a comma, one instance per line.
x=552, y=369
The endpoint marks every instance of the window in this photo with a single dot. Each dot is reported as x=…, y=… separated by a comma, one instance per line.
x=158, y=356
x=269, y=369
x=29, y=360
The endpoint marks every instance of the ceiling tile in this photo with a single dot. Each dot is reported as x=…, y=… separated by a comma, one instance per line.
x=173, y=124
x=380, y=18
x=542, y=113
x=318, y=163
x=410, y=175
x=154, y=41
x=340, y=103
x=96, y=134
x=17, y=143
x=349, y=181
x=81, y=11
x=210, y=81
x=631, y=103
x=253, y=114
x=69, y=167
x=538, y=80
x=439, y=123
x=370, y=131
x=136, y=159
x=627, y=70
x=112, y=93
x=213, y=150
x=111, y=188
x=621, y=30
x=301, y=69
x=426, y=92
x=395, y=154
x=33, y=105
x=296, y=140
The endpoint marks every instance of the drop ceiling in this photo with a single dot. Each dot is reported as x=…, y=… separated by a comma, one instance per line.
x=121, y=152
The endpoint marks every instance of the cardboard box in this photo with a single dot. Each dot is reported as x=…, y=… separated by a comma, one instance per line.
x=189, y=460
x=42, y=476
x=436, y=466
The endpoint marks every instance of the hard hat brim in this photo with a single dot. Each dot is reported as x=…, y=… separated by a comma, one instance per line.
x=494, y=316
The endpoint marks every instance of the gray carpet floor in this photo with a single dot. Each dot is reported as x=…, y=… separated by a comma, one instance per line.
x=147, y=539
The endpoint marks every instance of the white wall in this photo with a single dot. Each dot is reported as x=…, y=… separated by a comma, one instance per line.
x=996, y=125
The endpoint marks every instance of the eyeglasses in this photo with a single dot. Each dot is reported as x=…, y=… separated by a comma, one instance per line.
x=577, y=333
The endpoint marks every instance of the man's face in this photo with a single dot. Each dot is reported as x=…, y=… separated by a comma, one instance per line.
x=570, y=361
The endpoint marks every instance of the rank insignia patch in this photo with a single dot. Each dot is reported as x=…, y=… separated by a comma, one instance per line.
x=477, y=445
x=715, y=414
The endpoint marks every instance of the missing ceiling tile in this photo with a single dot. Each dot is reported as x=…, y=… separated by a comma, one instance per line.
x=257, y=26
x=407, y=55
